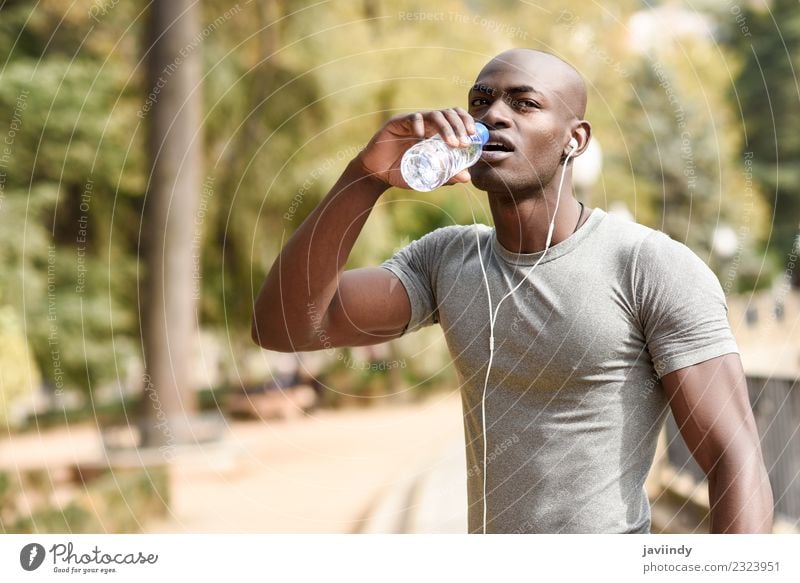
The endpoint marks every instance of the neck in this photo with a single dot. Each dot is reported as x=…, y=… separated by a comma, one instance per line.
x=522, y=220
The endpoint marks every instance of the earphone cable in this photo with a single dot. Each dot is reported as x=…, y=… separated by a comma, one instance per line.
x=493, y=316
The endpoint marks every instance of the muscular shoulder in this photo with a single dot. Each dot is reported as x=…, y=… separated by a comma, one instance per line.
x=624, y=235
x=445, y=243
x=661, y=258
x=444, y=236
x=652, y=261
x=670, y=279
x=620, y=241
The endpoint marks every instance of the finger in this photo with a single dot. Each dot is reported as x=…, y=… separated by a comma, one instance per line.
x=469, y=121
x=460, y=178
x=438, y=121
x=418, y=125
x=458, y=126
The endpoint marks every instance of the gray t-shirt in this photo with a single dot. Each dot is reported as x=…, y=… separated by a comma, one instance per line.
x=574, y=403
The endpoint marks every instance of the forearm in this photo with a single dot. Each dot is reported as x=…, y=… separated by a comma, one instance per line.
x=306, y=272
x=740, y=496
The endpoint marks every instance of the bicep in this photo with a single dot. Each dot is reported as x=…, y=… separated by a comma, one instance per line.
x=370, y=306
x=711, y=407
x=680, y=305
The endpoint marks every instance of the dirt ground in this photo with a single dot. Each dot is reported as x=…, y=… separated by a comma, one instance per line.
x=330, y=472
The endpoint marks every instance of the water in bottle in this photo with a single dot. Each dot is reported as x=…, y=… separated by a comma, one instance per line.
x=430, y=163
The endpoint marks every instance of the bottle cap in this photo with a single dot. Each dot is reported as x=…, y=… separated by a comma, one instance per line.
x=481, y=135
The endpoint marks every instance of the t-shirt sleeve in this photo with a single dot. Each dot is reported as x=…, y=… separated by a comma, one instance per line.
x=416, y=265
x=681, y=305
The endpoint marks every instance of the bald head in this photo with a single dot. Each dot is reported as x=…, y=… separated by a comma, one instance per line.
x=533, y=104
x=551, y=74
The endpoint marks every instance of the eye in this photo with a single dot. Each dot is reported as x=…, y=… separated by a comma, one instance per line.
x=526, y=104
x=478, y=101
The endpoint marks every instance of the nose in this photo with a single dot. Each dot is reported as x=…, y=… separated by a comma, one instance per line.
x=496, y=115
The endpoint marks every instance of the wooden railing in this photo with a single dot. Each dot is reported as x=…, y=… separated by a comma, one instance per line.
x=776, y=407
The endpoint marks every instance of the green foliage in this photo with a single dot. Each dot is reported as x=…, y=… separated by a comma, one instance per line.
x=684, y=152
x=767, y=39
x=291, y=91
x=72, y=185
x=118, y=501
x=19, y=376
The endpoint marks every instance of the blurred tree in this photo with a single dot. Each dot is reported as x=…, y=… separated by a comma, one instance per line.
x=67, y=207
x=767, y=91
x=683, y=148
x=175, y=150
x=291, y=91
x=683, y=142
x=19, y=375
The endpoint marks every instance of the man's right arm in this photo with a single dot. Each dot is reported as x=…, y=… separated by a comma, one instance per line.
x=308, y=301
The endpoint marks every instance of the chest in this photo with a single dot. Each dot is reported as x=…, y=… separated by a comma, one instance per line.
x=566, y=320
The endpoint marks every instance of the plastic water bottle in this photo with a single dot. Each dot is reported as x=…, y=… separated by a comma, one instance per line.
x=430, y=163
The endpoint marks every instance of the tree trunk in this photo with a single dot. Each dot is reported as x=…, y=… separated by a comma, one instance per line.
x=169, y=229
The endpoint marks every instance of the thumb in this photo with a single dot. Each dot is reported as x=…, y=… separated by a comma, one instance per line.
x=461, y=177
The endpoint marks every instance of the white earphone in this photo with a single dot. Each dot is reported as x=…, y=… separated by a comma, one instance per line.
x=573, y=145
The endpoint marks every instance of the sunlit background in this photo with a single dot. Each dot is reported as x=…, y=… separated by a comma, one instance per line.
x=153, y=163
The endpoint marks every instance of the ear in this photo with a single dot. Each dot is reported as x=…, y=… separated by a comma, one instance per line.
x=582, y=134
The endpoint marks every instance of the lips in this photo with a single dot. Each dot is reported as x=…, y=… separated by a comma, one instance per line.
x=497, y=148
x=490, y=156
x=498, y=143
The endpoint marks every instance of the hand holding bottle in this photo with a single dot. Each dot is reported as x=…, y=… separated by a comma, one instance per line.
x=383, y=154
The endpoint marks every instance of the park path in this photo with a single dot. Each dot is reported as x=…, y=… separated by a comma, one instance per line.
x=388, y=468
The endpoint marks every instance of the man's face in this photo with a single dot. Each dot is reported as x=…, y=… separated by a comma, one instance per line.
x=528, y=122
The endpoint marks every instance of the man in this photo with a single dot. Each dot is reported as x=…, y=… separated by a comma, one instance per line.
x=616, y=323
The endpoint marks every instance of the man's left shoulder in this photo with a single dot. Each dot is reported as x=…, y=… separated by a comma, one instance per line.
x=621, y=233
x=660, y=251
x=669, y=268
x=621, y=240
